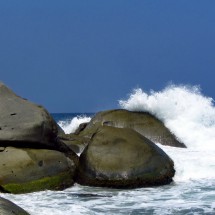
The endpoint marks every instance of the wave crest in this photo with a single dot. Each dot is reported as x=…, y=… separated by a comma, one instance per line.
x=178, y=107
x=70, y=126
x=191, y=117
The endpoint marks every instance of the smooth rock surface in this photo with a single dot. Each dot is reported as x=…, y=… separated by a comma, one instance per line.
x=22, y=121
x=142, y=122
x=27, y=170
x=122, y=158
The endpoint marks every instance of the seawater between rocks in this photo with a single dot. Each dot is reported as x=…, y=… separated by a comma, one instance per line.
x=191, y=117
x=191, y=197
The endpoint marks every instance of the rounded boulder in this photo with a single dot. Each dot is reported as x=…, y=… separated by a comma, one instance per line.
x=24, y=122
x=142, y=122
x=122, y=158
x=29, y=170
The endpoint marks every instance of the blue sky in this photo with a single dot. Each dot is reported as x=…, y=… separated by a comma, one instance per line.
x=83, y=56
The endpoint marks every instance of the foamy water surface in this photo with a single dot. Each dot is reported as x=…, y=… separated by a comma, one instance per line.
x=70, y=126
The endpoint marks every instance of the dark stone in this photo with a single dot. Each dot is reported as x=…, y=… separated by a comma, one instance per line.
x=142, y=122
x=28, y=170
x=74, y=142
x=81, y=127
x=122, y=158
x=32, y=157
x=23, y=121
x=9, y=208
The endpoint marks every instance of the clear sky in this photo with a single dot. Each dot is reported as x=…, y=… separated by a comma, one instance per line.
x=84, y=55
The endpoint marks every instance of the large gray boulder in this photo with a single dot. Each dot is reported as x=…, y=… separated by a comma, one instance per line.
x=22, y=121
x=28, y=170
x=142, y=122
x=123, y=158
x=32, y=157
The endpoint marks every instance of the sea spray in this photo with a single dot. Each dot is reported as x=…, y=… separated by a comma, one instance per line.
x=191, y=117
x=71, y=125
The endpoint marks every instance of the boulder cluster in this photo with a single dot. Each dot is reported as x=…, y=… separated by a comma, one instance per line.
x=117, y=149
x=31, y=156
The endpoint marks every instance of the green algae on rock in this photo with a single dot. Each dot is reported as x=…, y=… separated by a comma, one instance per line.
x=28, y=170
x=56, y=182
x=32, y=157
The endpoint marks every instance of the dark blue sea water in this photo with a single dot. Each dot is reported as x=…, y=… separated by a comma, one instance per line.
x=191, y=117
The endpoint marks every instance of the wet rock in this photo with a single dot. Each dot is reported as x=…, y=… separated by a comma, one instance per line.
x=81, y=127
x=142, y=122
x=32, y=157
x=74, y=142
x=9, y=208
x=28, y=170
x=122, y=158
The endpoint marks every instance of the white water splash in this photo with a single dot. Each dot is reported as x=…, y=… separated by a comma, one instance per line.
x=71, y=125
x=191, y=117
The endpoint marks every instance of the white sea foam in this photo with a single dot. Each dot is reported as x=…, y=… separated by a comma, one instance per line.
x=71, y=125
x=191, y=117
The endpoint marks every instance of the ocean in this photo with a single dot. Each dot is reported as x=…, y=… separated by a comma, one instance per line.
x=191, y=117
